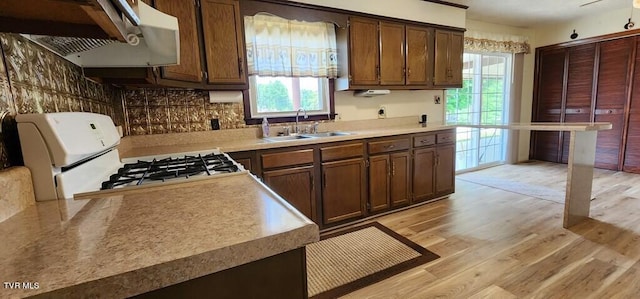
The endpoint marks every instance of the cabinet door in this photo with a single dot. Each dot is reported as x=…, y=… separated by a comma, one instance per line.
x=392, y=59
x=548, y=103
x=611, y=98
x=449, y=47
x=343, y=190
x=190, y=67
x=456, y=49
x=379, y=187
x=296, y=186
x=441, y=59
x=423, y=173
x=400, y=173
x=445, y=168
x=224, y=41
x=363, y=51
x=417, y=56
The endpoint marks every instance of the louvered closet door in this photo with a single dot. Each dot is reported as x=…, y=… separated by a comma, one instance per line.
x=581, y=65
x=632, y=151
x=548, y=107
x=611, y=98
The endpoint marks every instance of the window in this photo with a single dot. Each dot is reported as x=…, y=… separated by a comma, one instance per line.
x=483, y=99
x=290, y=66
x=283, y=96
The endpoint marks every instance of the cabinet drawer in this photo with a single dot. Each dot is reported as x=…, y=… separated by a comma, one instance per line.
x=342, y=151
x=290, y=158
x=389, y=145
x=448, y=137
x=424, y=140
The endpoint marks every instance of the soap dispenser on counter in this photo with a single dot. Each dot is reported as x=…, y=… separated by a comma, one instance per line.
x=265, y=127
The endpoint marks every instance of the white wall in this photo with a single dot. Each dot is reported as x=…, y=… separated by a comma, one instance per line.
x=595, y=25
x=399, y=103
x=415, y=10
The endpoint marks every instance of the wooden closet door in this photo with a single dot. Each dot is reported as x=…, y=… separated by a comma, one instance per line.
x=632, y=151
x=580, y=76
x=611, y=98
x=548, y=103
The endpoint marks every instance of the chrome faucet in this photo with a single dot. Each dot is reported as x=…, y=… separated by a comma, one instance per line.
x=297, y=128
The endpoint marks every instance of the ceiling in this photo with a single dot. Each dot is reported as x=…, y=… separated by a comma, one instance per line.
x=529, y=13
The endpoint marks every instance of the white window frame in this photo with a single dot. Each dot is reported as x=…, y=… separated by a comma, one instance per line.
x=477, y=119
x=323, y=89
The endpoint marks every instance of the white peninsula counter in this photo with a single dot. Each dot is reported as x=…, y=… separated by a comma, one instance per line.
x=582, y=153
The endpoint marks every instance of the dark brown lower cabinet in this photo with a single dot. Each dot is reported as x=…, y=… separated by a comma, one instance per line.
x=281, y=276
x=344, y=190
x=389, y=184
x=296, y=186
x=423, y=173
x=400, y=179
x=445, y=168
x=379, y=183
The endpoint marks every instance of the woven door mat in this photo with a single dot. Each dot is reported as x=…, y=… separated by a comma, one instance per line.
x=349, y=260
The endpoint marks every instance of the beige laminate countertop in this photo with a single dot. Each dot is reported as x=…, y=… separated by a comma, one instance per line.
x=147, y=238
x=179, y=143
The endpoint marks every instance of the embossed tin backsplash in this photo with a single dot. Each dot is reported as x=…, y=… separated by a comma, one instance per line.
x=34, y=80
x=159, y=111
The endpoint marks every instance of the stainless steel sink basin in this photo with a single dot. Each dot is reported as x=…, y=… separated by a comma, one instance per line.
x=328, y=134
x=286, y=138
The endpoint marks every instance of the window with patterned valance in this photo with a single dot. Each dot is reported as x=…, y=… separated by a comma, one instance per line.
x=495, y=43
x=290, y=64
x=281, y=47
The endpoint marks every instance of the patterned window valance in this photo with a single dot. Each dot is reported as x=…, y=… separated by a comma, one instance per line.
x=281, y=47
x=487, y=42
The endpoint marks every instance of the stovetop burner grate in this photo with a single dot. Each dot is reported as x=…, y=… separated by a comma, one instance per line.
x=142, y=172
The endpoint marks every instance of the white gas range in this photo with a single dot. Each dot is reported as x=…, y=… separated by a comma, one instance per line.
x=76, y=152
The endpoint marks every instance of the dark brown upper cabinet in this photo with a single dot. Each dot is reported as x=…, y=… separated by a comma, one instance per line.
x=392, y=54
x=383, y=54
x=212, y=50
x=418, y=59
x=190, y=67
x=363, y=52
x=224, y=42
x=449, y=47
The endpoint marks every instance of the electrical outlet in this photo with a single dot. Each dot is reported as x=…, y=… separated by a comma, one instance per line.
x=382, y=112
x=436, y=99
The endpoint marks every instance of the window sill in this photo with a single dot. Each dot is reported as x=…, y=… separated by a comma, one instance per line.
x=289, y=119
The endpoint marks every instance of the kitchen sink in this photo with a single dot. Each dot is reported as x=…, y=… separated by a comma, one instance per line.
x=328, y=134
x=306, y=136
x=287, y=138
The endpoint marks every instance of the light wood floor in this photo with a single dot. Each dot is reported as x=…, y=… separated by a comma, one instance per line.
x=498, y=244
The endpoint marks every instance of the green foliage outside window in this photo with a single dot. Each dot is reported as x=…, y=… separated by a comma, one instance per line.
x=273, y=97
x=459, y=101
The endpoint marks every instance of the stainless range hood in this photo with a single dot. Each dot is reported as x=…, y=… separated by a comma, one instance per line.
x=151, y=38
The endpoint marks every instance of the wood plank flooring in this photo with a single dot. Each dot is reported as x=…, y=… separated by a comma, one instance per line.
x=499, y=244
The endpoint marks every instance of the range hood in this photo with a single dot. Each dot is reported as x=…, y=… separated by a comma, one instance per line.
x=367, y=93
x=137, y=35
